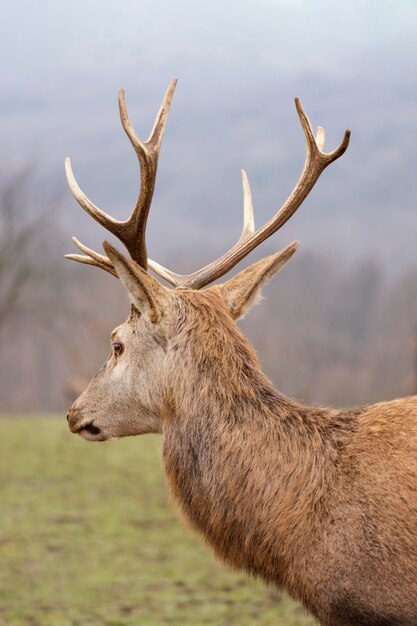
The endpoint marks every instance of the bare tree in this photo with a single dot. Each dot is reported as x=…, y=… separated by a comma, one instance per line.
x=20, y=228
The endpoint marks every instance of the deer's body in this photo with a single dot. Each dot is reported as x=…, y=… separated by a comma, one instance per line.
x=318, y=501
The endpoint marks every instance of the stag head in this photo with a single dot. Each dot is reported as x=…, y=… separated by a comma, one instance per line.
x=137, y=388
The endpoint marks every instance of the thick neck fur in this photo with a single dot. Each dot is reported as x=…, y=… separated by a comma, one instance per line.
x=252, y=470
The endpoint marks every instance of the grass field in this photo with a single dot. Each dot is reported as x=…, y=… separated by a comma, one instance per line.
x=88, y=537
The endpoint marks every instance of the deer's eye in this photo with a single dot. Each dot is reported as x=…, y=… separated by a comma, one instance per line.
x=117, y=348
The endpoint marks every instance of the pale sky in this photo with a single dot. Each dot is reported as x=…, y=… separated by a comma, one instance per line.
x=240, y=64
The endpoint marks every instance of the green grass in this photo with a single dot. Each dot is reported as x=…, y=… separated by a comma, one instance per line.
x=88, y=537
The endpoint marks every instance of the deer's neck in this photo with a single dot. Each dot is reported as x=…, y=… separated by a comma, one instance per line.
x=250, y=468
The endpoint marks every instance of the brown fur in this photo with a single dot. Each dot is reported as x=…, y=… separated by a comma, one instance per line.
x=318, y=501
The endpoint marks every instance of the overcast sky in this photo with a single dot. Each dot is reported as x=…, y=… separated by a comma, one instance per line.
x=240, y=64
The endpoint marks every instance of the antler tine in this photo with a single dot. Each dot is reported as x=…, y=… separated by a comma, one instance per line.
x=248, y=217
x=100, y=216
x=92, y=258
x=248, y=229
x=132, y=231
x=320, y=137
x=158, y=129
x=316, y=161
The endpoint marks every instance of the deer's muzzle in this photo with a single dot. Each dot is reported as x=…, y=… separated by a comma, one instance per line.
x=78, y=423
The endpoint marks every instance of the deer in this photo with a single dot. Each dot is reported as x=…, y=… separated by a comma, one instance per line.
x=320, y=502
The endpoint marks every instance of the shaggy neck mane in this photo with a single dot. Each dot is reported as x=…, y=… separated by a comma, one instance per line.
x=239, y=454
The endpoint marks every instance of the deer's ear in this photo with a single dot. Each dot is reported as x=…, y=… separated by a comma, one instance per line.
x=145, y=292
x=244, y=289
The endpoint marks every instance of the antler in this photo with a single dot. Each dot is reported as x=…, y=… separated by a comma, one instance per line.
x=316, y=161
x=132, y=231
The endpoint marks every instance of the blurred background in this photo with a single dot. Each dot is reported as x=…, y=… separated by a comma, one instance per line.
x=340, y=323
x=87, y=534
